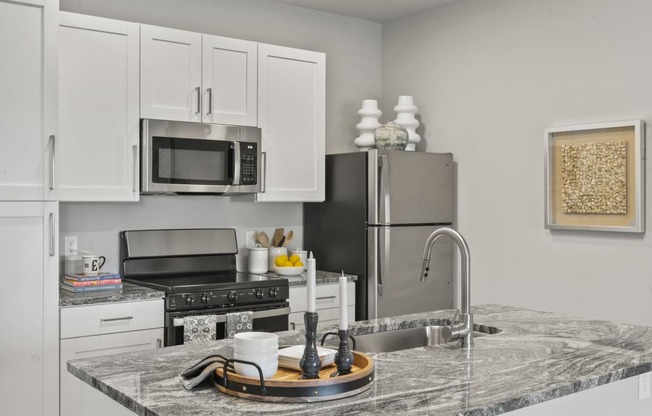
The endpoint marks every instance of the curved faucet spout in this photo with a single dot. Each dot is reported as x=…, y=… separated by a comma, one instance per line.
x=466, y=332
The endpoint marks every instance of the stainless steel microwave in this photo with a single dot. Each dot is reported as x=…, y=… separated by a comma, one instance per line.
x=179, y=157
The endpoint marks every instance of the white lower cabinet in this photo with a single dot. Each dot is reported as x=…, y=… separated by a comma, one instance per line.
x=96, y=330
x=328, y=304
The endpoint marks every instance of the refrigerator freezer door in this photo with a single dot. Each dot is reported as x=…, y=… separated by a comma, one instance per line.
x=395, y=255
x=410, y=188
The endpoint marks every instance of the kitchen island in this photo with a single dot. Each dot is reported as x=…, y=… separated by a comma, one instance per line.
x=534, y=358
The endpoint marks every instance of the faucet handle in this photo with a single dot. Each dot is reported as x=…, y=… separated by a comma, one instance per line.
x=456, y=317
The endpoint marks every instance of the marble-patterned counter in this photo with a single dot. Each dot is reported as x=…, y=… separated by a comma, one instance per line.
x=322, y=277
x=536, y=357
x=129, y=292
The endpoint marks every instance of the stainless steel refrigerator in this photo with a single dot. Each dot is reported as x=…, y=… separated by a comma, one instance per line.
x=380, y=208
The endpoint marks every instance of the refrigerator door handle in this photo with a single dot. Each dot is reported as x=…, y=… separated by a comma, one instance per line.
x=383, y=165
x=383, y=257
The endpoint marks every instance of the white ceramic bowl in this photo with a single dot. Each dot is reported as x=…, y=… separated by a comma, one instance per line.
x=269, y=369
x=288, y=271
x=268, y=350
x=255, y=339
x=257, y=358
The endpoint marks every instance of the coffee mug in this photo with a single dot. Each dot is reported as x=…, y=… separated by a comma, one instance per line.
x=92, y=264
x=258, y=259
x=303, y=255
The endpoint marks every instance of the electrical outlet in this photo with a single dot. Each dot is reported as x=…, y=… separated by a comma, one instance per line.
x=70, y=244
x=250, y=239
x=644, y=386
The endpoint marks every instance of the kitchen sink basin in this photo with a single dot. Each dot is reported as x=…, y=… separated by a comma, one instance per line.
x=403, y=339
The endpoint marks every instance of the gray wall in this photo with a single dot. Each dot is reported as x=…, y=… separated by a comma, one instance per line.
x=353, y=73
x=488, y=78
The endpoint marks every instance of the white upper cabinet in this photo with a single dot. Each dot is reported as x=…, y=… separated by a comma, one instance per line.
x=188, y=76
x=98, y=109
x=291, y=114
x=28, y=82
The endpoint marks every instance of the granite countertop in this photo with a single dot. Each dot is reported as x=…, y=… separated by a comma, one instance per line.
x=536, y=356
x=129, y=292
x=322, y=277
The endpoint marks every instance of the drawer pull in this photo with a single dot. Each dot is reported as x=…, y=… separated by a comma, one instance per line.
x=326, y=297
x=124, y=318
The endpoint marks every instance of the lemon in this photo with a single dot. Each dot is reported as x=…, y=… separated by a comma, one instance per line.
x=281, y=261
x=298, y=264
x=294, y=259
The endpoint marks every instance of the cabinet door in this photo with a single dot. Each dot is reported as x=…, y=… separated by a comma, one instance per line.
x=28, y=306
x=28, y=76
x=229, y=80
x=170, y=77
x=95, y=346
x=99, y=74
x=291, y=114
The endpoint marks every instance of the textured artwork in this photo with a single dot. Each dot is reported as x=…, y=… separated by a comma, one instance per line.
x=594, y=178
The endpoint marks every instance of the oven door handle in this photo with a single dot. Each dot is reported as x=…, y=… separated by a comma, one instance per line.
x=221, y=318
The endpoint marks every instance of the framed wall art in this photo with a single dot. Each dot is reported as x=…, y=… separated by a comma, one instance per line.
x=595, y=177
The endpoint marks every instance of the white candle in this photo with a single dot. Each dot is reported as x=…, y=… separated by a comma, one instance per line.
x=344, y=319
x=312, y=283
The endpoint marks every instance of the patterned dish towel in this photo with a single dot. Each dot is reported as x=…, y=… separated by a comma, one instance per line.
x=238, y=322
x=199, y=328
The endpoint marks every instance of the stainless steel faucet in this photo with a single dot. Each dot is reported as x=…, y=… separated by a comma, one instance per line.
x=464, y=329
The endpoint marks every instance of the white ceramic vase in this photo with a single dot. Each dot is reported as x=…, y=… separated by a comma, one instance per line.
x=405, y=111
x=368, y=125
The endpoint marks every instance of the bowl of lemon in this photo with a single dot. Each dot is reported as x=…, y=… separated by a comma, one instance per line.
x=288, y=266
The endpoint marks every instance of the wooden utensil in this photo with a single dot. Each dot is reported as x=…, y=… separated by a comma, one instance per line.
x=278, y=234
x=263, y=239
x=288, y=237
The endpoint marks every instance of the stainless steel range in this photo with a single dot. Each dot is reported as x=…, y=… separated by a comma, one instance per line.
x=196, y=268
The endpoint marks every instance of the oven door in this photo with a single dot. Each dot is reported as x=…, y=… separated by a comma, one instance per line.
x=273, y=318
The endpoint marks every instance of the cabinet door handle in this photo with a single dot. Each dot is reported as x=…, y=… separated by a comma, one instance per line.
x=198, y=89
x=52, y=160
x=135, y=153
x=294, y=326
x=159, y=343
x=326, y=297
x=123, y=318
x=51, y=218
x=210, y=101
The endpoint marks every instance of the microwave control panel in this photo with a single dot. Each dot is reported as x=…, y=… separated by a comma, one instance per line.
x=248, y=162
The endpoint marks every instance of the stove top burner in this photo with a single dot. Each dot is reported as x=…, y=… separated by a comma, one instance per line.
x=202, y=283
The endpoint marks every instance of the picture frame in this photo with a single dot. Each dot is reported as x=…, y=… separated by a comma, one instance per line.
x=595, y=177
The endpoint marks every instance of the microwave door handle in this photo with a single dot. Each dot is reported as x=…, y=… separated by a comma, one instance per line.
x=236, y=163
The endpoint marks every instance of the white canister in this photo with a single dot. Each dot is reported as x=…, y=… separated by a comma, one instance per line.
x=258, y=259
x=303, y=255
x=273, y=253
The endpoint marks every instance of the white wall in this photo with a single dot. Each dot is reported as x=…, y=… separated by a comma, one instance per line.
x=353, y=73
x=488, y=77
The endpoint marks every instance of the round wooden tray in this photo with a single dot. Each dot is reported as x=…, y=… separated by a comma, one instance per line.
x=286, y=385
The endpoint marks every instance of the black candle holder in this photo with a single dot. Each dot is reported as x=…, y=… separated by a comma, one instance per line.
x=310, y=363
x=344, y=356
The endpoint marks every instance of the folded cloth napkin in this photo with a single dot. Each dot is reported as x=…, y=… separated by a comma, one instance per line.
x=238, y=322
x=199, y=328
x=195, y=375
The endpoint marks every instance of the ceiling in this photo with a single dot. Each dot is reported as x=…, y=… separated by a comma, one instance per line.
x=380, y=11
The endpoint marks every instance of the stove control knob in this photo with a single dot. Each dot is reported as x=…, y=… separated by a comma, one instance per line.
x=259, y=293
x=188, y=299
x=204, y=298
x=232, y=296
x=272, y=292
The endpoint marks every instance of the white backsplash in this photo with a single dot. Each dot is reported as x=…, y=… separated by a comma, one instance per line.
x=97, y=224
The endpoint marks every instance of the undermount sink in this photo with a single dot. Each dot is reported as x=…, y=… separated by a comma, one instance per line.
x=403, y=339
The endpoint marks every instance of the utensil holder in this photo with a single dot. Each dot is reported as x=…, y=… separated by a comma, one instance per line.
x=344, y=356
x=310, y=363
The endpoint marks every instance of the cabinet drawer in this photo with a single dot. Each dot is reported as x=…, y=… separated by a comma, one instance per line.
x=327, y=317
x=79, y=321
x=328, y=296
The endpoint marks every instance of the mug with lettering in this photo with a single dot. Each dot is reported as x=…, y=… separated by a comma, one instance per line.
x=92, y=264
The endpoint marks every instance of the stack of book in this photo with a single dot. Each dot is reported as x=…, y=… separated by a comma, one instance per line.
x=77, y=283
